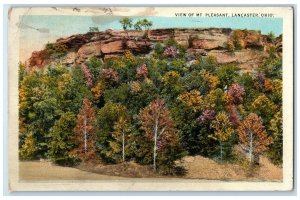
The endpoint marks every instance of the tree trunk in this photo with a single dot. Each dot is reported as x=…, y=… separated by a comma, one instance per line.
x=123, y=149
x=221, y=151
x=155, y=145
x=85, y=137
x=251, y=148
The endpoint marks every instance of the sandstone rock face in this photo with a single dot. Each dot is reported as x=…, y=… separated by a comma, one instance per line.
x=38, y=58
x=69, y=58
x=205, y=44
x=112, y=43
x=112, y=47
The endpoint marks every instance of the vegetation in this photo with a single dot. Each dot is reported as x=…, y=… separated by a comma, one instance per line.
x=139, y=25
x=93, y=29
x=152, y=110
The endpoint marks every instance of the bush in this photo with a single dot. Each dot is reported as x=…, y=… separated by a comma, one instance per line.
x=55, y=50
x=67, y=162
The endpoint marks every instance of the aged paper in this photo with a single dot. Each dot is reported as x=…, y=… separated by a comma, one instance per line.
x=30, y=29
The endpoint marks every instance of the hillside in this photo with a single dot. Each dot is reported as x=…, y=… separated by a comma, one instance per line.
x=149, y=99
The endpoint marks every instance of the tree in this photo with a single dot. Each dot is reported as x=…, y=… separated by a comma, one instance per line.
x=227, y=74
x=62, y=139
x=237, y=39
x=264, y=107
x=210, y=81
x=156, y=122
x=110, y=75
x=85, y=132
x=28, y=150
x=143, y=23
x=93, y=29
x=126, y=23
x=276, y=148
x=214, y=100
x=253, y=136
x=95, y=66
x=142, y=71
x=222, y=129
x=120, y=134
x=87, y=75
x=98, y=91
x=107, y=117
x=192, y=99
x=235, y=93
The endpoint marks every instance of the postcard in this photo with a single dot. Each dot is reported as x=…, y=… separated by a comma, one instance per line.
x=150, y=98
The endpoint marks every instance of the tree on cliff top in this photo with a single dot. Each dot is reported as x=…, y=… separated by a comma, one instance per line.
x=143, y=23
x=126, y=23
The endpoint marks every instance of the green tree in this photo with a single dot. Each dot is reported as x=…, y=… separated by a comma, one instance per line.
x=276, y=148
x=227, y=75
x=62, y=139
x=93, y=29
x=143, y=23
x=107, y=117
x=126, y=23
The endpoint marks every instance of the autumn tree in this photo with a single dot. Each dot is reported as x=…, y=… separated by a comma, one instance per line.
x=156, y=122
x=98, y=91
x=235, y=94
x=264, y=107
x=120, y=135
x=222, y=130
x=85, y=132
x=87, y=75
x=253, y=136
x=192, y=99
x=210, y=81
x=171, y=85
x=142, y=71
x=215, y=100
x=29, y=149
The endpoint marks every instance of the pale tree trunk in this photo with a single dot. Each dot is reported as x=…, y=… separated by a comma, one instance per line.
x=123, y=144
x=251, y=148
x=85, y=137
x=221, y=151
x=155, y=144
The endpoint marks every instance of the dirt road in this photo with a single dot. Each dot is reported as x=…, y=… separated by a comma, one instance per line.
x=36, y=170
x=197, y=167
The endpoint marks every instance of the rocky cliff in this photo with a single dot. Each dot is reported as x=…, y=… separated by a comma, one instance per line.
x=244, y=47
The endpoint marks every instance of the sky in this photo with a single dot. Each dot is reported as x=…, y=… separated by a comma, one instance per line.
x=37, y=30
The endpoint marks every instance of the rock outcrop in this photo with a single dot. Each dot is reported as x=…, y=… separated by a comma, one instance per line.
x=76, y=49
